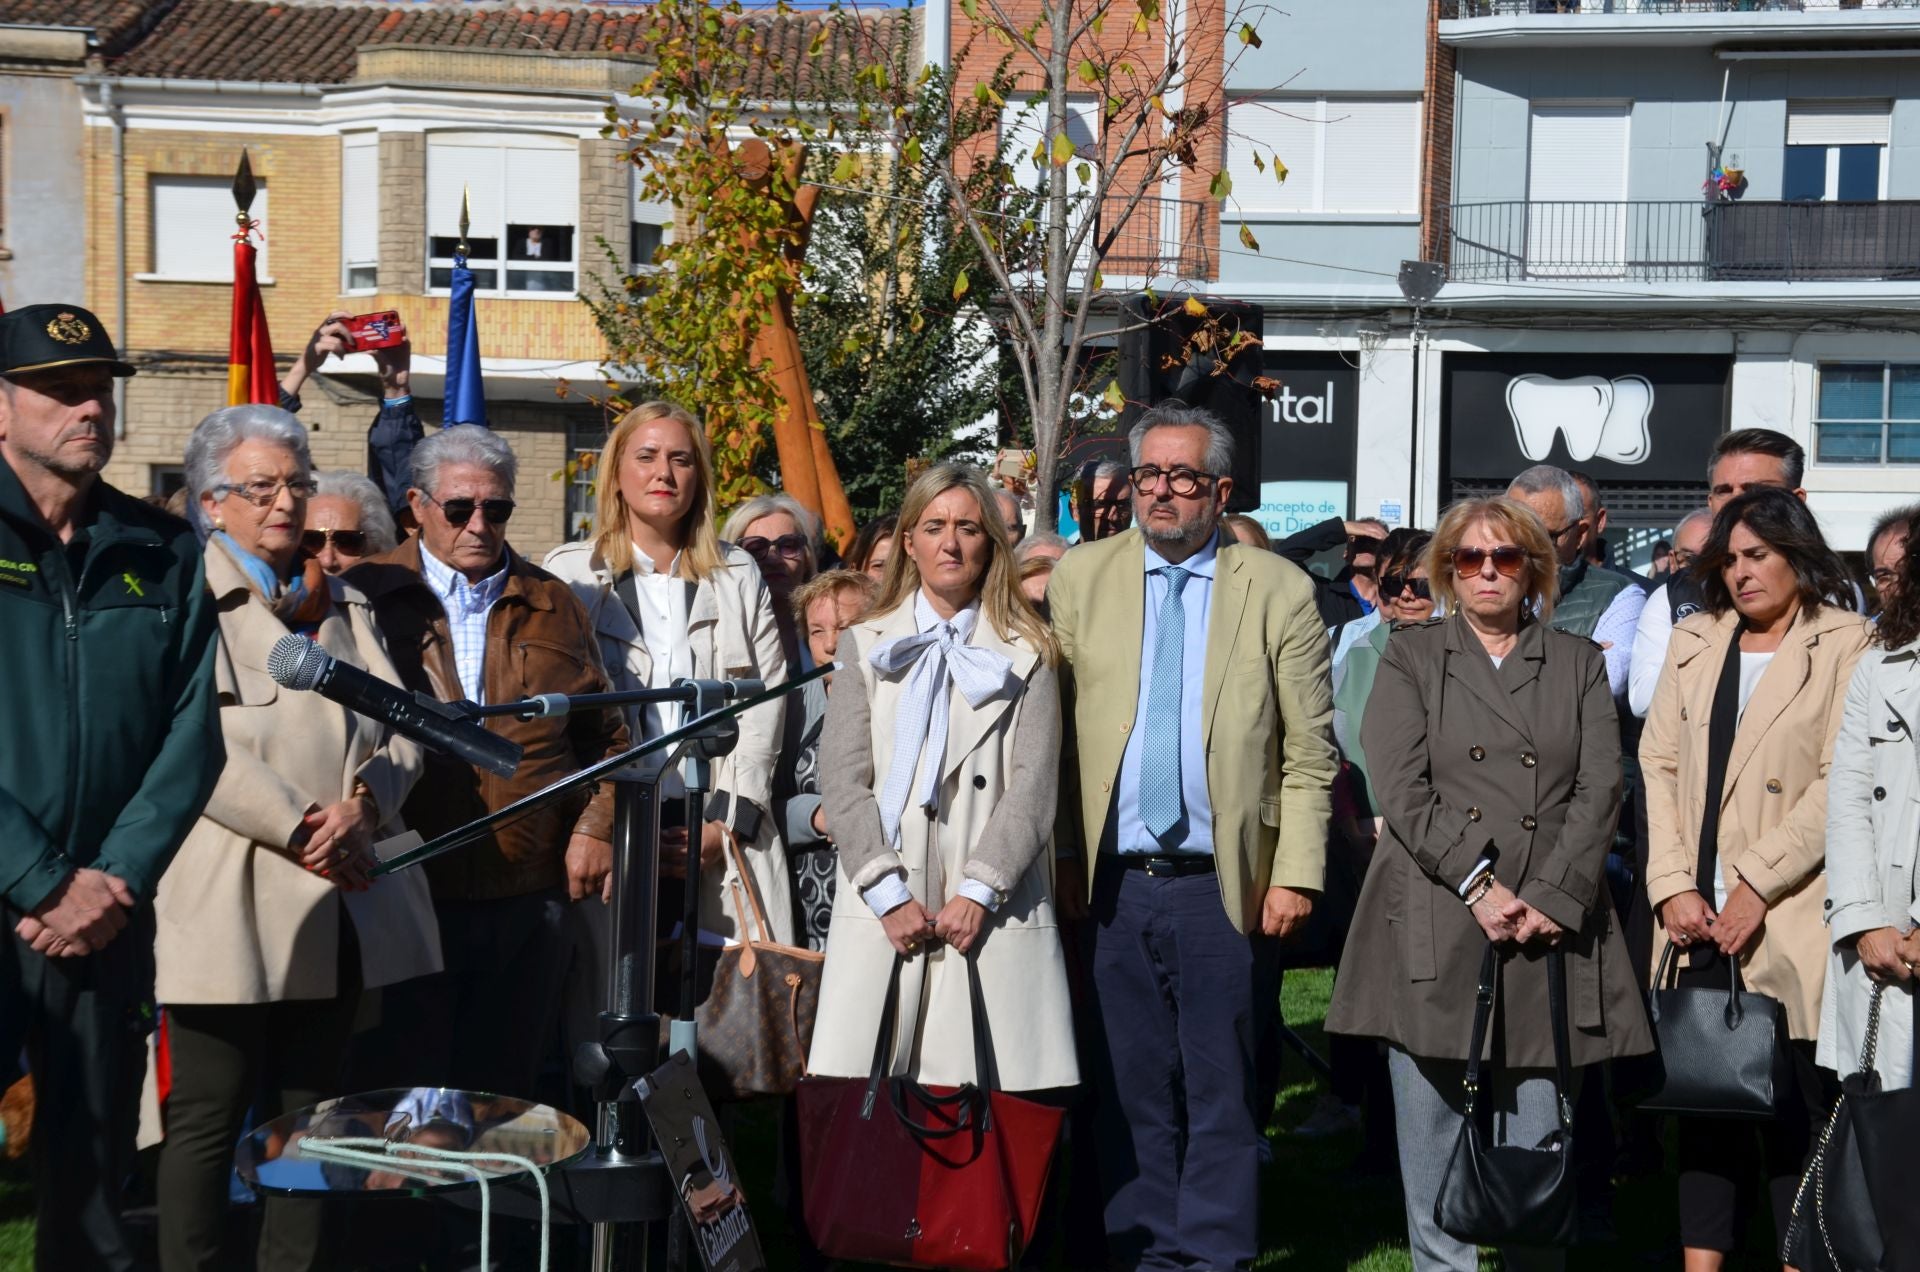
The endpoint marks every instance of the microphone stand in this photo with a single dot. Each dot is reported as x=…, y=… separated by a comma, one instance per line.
x=622, y=1186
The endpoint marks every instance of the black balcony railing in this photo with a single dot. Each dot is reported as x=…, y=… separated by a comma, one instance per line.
x=1682, y=241
x=1162, y=238
x=1513, y=8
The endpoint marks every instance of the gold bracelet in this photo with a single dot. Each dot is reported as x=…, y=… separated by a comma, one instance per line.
x=1480, y=890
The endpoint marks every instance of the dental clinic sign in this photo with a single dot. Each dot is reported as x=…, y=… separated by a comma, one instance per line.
x=1620, y=417
x=1307, y=441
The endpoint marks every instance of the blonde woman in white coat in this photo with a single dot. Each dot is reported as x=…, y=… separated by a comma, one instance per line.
x=1873, y=829
x=939, y=763
x=669, y=600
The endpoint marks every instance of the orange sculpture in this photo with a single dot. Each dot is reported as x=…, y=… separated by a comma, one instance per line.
x=807, y=470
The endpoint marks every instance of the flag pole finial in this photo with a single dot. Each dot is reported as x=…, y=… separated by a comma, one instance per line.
x=244, y=189
x=466, y=219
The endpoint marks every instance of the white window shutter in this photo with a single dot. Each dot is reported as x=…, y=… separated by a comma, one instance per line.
x=1862, y=121
x=452, y=168
x=1286, y=128
x=1577, y=188
x=193, y=228
x=543, y=186
x=360, y=199
x=1372, y=156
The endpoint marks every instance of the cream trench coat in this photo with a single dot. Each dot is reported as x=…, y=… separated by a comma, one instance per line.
x=1773, y=820
x=999, y=786
x=239, y=920
x=1873, y=833
x=731, y=627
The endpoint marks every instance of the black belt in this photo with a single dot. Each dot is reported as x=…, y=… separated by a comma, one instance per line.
x=1165, y=867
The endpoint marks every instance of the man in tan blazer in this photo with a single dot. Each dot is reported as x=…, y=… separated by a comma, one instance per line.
x=1196, y=770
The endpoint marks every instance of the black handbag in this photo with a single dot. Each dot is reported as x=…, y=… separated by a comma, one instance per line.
x=1508, y=1194
x=1853, y=1211
x=1720, y=1055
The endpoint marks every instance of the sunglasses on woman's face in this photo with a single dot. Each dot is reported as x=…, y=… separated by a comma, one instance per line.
x=792, y=546
x=1392, y=585
x=1507, y=559
x=345, y=542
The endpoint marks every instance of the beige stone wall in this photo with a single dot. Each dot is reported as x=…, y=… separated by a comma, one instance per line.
x=403, y=212
x=164, y=404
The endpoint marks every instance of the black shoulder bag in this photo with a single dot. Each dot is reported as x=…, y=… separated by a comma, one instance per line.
x=1508, y=1194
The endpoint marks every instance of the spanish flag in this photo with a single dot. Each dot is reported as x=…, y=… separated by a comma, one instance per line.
x=250, y=372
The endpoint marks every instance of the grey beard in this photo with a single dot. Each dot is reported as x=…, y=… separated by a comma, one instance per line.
x=1194, y=533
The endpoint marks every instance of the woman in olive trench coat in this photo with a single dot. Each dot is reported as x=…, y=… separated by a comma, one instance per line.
x=1517, y=763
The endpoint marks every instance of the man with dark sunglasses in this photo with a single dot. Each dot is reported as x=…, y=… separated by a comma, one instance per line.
x=1352, y=592
x=466, y=617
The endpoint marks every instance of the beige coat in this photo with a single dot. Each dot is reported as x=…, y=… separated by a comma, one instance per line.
x=1520, y=763
x=239, y=919
x=731, y=627
x=997, y=801
x=1773, y=821
x=1268, y=711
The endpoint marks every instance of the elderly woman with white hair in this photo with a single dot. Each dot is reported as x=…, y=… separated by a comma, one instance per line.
x=269, y=923
x=347, y=521
x=783, y=538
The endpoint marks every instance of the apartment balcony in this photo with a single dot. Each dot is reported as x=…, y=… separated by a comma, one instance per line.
x=1164, y=238
x=1681, y=242
x=1673, y=23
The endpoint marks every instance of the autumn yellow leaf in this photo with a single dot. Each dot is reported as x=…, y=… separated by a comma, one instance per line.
x=1113, y=397
x=911, y=152
x=960, y=285
x=1088, y=71
x=1063, y=150
x=1247, y=240
x=1221, y=187
x=1279, y=169
x=1194, y=308
x=1248, y=35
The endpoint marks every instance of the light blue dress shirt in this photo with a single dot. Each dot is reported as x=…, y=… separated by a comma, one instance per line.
x=1195, y=834
x=467, y=606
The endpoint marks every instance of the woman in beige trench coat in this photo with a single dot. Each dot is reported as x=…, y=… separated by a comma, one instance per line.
x=267, y=922
x=1494, y=752
x=1775, y=657
x=943, y=835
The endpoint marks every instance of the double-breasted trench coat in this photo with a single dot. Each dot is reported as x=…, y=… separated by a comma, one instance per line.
x=732, y=635
x=1773, y=814
x=994, y=823
x=1520, y=763
x=238, y=919
x=1873, y=835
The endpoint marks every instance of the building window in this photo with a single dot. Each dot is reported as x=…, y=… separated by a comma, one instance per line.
x=1343, y=155
x=649, y=226
x=524, y=197
x=193, y=230
x=1868, y=413
x=360, y=212
x=1837, y=151
x=1023, y=147
x=164, y=479
x=586, y=438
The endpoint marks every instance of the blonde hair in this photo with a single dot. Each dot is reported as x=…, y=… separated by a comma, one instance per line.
x=701, y=557
x=1001, y=602
x=824, y=586
x=1518, y=525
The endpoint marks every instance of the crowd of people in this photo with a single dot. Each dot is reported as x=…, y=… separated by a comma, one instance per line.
x=1116, y=780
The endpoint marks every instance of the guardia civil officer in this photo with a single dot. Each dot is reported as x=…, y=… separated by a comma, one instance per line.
x=109, y=747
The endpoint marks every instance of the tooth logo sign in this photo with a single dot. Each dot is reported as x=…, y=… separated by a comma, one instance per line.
x=1595, y=417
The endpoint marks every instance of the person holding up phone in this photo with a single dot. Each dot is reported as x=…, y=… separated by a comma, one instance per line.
x=396, y=429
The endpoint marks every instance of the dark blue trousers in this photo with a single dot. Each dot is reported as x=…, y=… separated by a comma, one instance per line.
x=1180, y=997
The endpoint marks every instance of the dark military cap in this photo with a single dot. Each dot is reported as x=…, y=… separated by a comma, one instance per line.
x=42, y=337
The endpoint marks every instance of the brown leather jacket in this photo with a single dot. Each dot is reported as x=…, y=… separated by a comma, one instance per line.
x=538, y=641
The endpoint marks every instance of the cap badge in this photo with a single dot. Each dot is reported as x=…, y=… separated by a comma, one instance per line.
x=68, y=329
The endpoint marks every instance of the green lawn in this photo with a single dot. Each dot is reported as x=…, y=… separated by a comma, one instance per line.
x=1317, y=1214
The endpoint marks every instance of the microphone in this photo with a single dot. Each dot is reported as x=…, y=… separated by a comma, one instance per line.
x=298, y=663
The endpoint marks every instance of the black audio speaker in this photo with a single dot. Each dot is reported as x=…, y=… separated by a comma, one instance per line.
x=1210, y=362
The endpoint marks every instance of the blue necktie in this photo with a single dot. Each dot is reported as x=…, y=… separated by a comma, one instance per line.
x=1161, y=805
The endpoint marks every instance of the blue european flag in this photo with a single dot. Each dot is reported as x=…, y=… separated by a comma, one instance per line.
x=466, y=400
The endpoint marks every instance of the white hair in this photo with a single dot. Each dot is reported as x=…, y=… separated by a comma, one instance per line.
x=1542, y=478
x=766, y=506
x=473, y=444
x=376, y=522
x=1039, y=541
x=1173, y=414
x=215, y=437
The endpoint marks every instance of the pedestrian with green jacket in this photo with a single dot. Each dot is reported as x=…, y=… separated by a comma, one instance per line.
x=109, y=747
